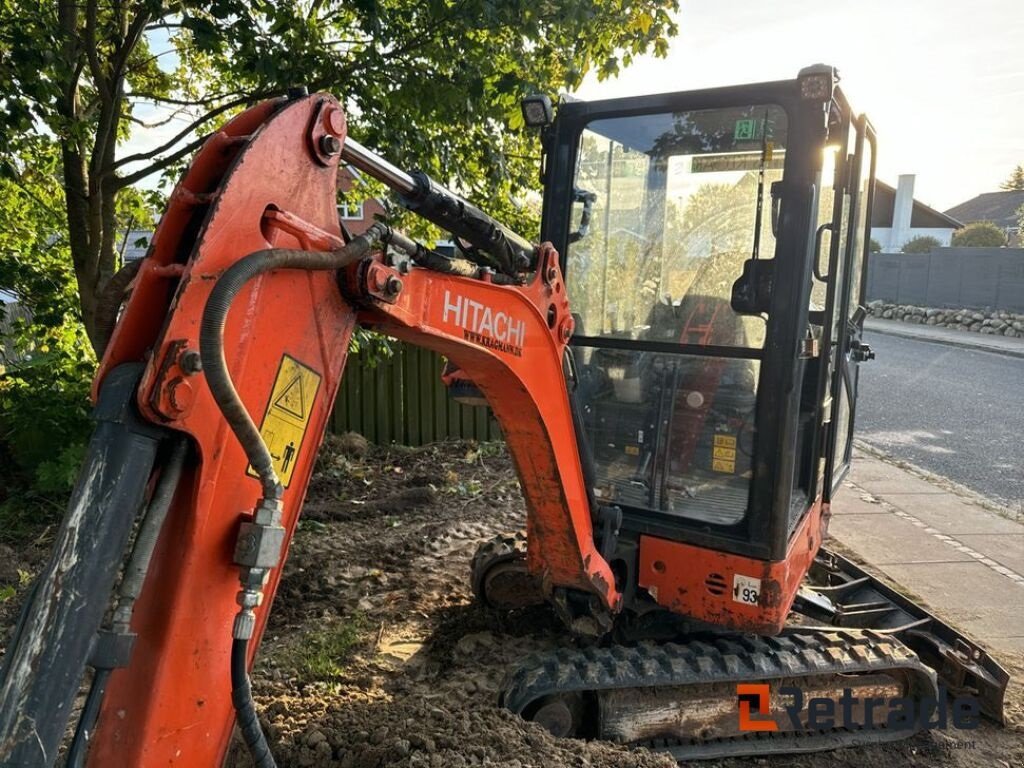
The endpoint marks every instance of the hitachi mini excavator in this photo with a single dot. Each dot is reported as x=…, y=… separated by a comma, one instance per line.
x=674, y=369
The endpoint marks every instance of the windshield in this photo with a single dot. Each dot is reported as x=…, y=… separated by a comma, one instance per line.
x=666, y=215
x=673, y=208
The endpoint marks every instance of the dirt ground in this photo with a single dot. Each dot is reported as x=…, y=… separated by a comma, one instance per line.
x=376, y=655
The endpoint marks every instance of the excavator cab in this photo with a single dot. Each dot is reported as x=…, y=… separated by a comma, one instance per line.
x=713, y=243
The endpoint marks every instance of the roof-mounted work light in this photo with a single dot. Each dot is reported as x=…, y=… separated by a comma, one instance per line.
x=537, y=110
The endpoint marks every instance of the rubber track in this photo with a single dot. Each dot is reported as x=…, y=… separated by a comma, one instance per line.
x=499, y=549
x=727, y=659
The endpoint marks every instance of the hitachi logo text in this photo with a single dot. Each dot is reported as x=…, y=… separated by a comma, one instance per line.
x=484, y=326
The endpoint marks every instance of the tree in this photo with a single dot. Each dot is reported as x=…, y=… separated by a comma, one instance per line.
x=1015, y=181
x=874, y=246
x=980, y=234
x=920, y=244
x=44, y=370
x=433, y=84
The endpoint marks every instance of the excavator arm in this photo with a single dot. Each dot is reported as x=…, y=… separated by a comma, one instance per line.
x=220, y=376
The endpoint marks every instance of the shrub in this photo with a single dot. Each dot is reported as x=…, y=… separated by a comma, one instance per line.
x=980, y=234
x=920, y=244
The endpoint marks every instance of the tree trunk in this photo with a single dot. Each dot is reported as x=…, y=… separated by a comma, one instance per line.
x=82, y=225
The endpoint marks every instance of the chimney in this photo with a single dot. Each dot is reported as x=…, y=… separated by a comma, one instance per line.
x=902, y=209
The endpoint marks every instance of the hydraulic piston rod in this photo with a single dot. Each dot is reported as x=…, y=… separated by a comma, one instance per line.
x=510, y=253
x=358, y=156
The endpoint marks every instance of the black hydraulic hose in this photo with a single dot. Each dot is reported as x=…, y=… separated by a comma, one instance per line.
x=211, y=350
x=211, y=337
x=128, y=591
x=245, y=709
x=90, y=713
x=145, y=542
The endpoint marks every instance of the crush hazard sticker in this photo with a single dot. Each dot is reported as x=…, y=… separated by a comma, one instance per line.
x=287, y=417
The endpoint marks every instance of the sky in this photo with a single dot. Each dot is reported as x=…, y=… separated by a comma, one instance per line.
x=941, y=80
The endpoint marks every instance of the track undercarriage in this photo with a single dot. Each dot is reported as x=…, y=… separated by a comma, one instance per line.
x=850, y=640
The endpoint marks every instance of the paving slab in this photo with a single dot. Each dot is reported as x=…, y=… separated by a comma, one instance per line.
x=1005, y=548
x=964, y=561
x=901, y=487
x=885, y=539
x=968, y=595
x=853, y=501
x=1003, y=345
x=952, y=514
x=870, y=468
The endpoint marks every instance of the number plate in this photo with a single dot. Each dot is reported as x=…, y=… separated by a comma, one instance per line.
x=746, y=589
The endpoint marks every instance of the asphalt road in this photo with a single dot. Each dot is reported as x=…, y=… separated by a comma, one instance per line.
x=952, y=411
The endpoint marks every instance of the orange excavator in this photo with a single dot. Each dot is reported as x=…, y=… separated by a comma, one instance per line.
x=674, y=369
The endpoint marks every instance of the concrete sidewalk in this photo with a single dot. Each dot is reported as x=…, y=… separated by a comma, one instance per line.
x=1003, y=345
x=963, y=560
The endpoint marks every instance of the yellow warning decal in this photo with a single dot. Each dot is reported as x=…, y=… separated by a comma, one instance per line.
x=720, y=465
x=723, y=455
x=287, y=417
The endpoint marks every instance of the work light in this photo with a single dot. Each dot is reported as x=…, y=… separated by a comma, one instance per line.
x=537, y=110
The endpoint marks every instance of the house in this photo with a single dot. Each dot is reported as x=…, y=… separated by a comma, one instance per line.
x=356, y=213
x=133, y=244
x=897, y=217
x=1001, y=208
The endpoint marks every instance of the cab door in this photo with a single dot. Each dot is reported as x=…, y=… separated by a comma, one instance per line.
x=849, y=348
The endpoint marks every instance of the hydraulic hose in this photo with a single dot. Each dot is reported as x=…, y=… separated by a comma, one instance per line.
x=145, y=542
x=87, y=721
x=245, y=708
x=211, y=350
x=128, y=591
x=211, y=337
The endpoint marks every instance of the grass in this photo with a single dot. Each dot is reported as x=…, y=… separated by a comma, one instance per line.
x=324, y=651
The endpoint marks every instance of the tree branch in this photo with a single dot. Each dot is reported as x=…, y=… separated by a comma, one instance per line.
x=175, y=115
x=149, y=60
x=163, y=25
x=91, y=51
x=131, y=38
x=159, y=165
x=190, y=128
x=157, y=99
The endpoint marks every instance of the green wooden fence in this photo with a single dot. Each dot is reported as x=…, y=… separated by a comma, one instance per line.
x=402, y=399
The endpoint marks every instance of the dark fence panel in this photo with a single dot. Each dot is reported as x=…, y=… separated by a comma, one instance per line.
x=981, y=276
x=1010, y=288
x=883, y=277
x=402, y=399
x=913, y=285
x=950, y=277
x=944, y=279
